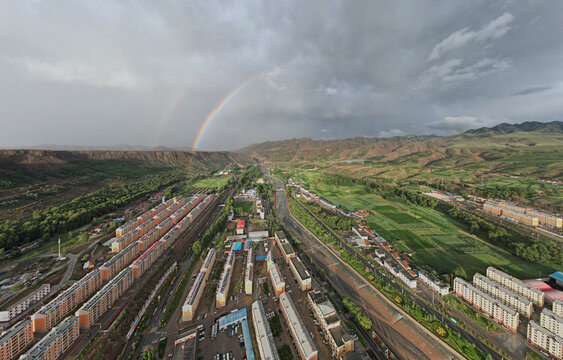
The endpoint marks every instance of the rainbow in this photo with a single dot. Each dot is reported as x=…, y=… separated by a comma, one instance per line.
x=177, y=100
x=218, y=109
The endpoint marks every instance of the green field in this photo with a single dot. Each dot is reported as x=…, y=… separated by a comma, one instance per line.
x=213, y=182
x=243, y=208
x=434, y=239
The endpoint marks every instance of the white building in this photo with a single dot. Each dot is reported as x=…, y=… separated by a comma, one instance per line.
x=518, y=286
x=264, y=339
x=434, y=284
x=544, y=339
x=22, y=305
x=552, y=322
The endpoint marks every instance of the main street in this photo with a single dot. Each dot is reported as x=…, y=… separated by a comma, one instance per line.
x=403, y=335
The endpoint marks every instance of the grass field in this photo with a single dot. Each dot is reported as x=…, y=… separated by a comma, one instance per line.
x=243, y=208
x=434, y=239
x=215, y=181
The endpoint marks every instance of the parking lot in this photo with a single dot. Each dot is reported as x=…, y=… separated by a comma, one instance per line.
x=228, y=343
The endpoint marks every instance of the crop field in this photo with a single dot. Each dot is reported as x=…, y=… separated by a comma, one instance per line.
x=213, y=182
x=434, y=239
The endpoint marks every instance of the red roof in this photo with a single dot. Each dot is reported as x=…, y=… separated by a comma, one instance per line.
x=553, y=294
x=538, y=284
x=240, y=224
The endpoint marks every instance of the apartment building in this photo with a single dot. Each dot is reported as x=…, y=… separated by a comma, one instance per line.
x=558, y=307
x=14, y=310
x=121, y=260
x=339, y=340
x=487, y=304
x=66, y=302
x=552, y=322
x=266, y=346
x=56, y=342
x=521, y=217
x=148, y=239
x=123, y=241
x=507, y=297
x=276, y=278
x=209, y=262
x=305, y=346
x=545, y=340
x=434, y=284
x=225, y=281
x=492, y=208
x=16, y=339
x=287, y=250
x=194, y=296
x=301, y=274
x=97, y=305
x=516, y=285
x=147, y=258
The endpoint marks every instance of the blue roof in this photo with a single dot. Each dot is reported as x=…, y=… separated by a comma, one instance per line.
x=234, y=318
x=238, y=246
x=558, y=275
x=247, y=340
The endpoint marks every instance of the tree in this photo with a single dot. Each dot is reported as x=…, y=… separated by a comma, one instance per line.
x=459, y=271
x=84, y=237
x=196, y=247
x=148, y=354
x=17, y=286
x=1, y=252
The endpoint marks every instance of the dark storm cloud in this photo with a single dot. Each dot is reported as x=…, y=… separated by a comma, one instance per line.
x=532, y=90
x=108, y=72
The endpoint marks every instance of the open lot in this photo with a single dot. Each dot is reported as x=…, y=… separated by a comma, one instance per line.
x=215, y=181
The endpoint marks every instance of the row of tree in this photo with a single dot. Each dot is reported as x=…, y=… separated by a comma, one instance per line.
x=77, y=212
x=332, y=221
x=526, y=248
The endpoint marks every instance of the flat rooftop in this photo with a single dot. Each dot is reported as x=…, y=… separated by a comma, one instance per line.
x=303, y=273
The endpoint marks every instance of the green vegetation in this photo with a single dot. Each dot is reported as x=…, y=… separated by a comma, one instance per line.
x=434, y=237
x=275, y=325
x=243, y=208
x=217, y=182
x=333, y=221
x=178, y=293
x=358, y=313
x=196, y=247
x=149, y=354
x=17, y=286
x=78, y=212
x=285, y=353
x=453, y=338
x=475, y=316
x=162, y=348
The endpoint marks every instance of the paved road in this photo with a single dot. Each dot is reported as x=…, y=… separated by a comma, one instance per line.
x=403, y=335
x=483, y=347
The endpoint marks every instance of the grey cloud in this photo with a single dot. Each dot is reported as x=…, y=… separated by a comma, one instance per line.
x=143, y=72
x=491, y=31
x=533, y=90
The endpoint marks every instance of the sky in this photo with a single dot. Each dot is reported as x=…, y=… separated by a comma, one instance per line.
x=102, y=73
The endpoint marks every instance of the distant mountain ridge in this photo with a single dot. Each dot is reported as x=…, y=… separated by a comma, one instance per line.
x=104, y=148
x=37, y=160
x=504, y=128
x=530, y=148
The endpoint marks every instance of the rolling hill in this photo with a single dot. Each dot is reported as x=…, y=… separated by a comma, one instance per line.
x=531, y=149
